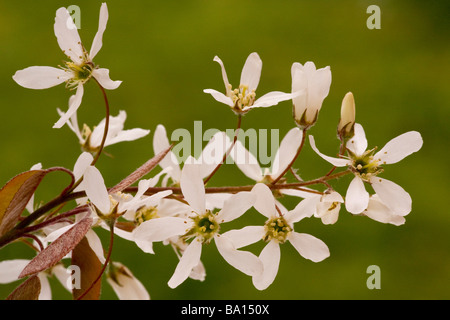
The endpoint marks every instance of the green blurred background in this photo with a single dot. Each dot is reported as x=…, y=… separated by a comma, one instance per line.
x=163, y=52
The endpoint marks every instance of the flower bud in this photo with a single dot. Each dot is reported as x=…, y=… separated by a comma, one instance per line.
x=310, y=86
x=347, y=121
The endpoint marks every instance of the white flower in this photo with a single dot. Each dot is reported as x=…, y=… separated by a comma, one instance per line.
x=75, y=72
x=314, y=86
x=90, y=140
x=201, y=226
x=125, y=284
x=278, y=229
x=243, y=98
x=366, y=165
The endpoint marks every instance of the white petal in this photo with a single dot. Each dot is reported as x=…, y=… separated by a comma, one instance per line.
x=161, y=143
x=67, y=35
x=96, y=245
x=400, y=147
x=189, y=260
x=63, y=275
x=244, y=261
x=160, y=229
x=236, y=206
x=11, y=269
x=192, y=186
x=270, y=99
x=224, y=75
x=102, y=76
x=309, y=247
x=40, y=77
x=378, y=211
x=219, y=96
x=270, y=258
x=305, y=209
x=251, y=72
x=246, y=162
x=126, y=285
x=96, y=189
x=97, y=42
x=358, y=143
x=357, y=198
x=245, y=236
x=74, y=104
x=46, y=291
x=334, y=161
x=287, y=151
x=392, y=195
x=213, y=153
x=83, y=161
x=127, y=135
x=265, y=202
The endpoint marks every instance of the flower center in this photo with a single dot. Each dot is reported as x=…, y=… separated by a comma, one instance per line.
x=277, y=229
x=366, y=166
x=145, y=214
x=242, y=97
x=80, y=73
x=205, y=227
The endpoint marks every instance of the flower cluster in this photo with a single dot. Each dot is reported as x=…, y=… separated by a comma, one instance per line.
x=175, y=206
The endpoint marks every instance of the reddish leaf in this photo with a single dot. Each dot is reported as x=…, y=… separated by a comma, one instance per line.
x=58, y=249
x=140, y=172
x=15, y=195
x=90, y=267
x=28, y=290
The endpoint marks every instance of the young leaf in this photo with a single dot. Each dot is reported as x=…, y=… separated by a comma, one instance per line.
x=140, y=172
x=15, y=195
x=58, y=249
x=28, y=290
x=90, y=267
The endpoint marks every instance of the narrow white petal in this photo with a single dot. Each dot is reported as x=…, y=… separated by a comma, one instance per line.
x=83, y=161
x=236, y=206
x=358, y=143
x=287, y=151
x=246, y=162
x=334, y=161
x=97, y=42
x=160, y=229
x=213, y=153
x=219, y=96
x=66, y=33
x=192, y=186
x=270, y=258
x=270, y=99
x=96, y=245
x=265, y=202
x=400, y=147
x=224, y=75
x=244, y=261
x=357, y=198
x=392, y=195
x=102, y=76
x=11, y=269
x=189, y=260
x=46, y=291
x=309, y=247
x=126, y=285
x=74, y=104
x=161, y=143
x=251, y=72
x=96, y=189
x=127, y=135
x=40, y=77
x=245, y=236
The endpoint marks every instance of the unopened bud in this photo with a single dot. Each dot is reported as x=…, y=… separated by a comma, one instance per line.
x=347, y=122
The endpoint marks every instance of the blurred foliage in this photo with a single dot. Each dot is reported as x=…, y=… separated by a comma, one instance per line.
x=163, y=51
